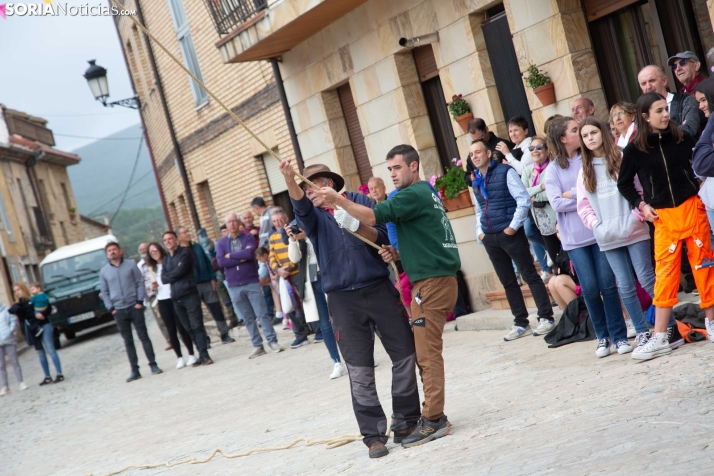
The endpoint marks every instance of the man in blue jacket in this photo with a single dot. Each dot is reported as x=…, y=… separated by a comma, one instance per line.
x=361, y=298
x=205, y=281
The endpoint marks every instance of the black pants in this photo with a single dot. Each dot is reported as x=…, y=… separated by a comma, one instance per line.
x=503, y=248
x=552, y=245
x=300, y=327
x=125, y=318
x=188, y=310
x=174, y=327
x=354, y=315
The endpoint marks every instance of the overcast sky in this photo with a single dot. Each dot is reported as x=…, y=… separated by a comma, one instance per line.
x=42, y=60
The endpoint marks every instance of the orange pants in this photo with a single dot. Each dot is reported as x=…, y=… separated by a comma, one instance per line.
x=686, y=222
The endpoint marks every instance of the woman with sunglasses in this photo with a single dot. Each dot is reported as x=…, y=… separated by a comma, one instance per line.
x=621, y=233
x=596, y=278
x=622, y=117
x=166, y=306
x=542, y=214
x=661, y=157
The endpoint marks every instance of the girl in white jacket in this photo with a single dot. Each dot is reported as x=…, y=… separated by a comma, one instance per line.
x=8, y=345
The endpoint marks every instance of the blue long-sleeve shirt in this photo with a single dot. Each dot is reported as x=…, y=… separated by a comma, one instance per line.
x=703, y=158
x=520, y=195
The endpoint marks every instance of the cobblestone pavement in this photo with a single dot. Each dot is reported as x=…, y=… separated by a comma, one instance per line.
x=517, y=408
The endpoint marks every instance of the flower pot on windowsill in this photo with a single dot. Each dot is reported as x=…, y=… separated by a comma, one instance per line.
x=462, y=200
x=464, y=120
x=546, y=94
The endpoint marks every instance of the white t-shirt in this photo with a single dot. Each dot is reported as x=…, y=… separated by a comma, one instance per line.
x=526, y=159
x=622, y=141
x=164, y=291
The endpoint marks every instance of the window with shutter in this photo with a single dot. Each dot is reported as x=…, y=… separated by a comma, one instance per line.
x=364, y=167
x=275, y=178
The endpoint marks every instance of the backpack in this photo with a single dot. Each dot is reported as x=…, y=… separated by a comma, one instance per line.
x=574, y=325
x=690, y=322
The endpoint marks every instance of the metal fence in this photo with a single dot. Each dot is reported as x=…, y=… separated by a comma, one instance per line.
x=228, y=14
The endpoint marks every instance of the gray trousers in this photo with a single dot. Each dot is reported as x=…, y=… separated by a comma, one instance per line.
x=11, y=351
x=250, y=303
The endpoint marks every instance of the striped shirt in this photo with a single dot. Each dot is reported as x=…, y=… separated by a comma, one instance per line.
x=279, y=254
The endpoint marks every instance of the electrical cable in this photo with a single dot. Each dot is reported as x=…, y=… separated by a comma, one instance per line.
x=97, y=138
x=131, y=178
x=96, y=210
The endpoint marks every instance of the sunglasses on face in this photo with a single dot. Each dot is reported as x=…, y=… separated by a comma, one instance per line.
x=536, y=147
x=680, y=63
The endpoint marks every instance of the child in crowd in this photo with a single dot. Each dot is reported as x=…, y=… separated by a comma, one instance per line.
x=268, y=278
x=40, y=301
x=8, y=346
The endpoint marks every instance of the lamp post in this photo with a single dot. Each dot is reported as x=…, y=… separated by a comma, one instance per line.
x=96, y=77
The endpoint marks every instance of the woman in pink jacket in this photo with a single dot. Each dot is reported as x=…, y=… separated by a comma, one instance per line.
x=619, y=230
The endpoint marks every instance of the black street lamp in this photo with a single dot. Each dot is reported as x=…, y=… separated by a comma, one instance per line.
x=96, y=77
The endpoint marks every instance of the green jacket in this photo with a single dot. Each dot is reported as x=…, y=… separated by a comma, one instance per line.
x=426, y=241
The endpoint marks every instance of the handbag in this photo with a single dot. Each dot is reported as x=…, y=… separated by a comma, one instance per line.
x=543, y=221
x=286, y=301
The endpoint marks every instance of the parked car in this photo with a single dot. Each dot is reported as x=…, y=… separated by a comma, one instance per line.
x=70, y=277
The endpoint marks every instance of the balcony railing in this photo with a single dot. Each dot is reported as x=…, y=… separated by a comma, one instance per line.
x=228, y=14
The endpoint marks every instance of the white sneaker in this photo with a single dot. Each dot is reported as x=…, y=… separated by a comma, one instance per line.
x=623, y=347
x=23, y=386
x=545, y=276
x=544, y=326
x=4, y=391
x=338, y=371
x=641, y=339
x=631, y=331
x=191, y=360
x=285, y=324
x=550, y=261
x=180, y=363
x=654, y=347
x=275, y=347
x=710, y=329
x=518, y=332
x=603, y=348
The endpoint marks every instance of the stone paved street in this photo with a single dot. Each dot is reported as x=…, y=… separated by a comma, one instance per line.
x=517, y=408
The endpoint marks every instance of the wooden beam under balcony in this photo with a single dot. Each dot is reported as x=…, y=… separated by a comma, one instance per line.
x=281, y=28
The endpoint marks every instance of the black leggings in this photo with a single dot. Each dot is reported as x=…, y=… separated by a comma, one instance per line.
x=166, y=309
x=552, y=245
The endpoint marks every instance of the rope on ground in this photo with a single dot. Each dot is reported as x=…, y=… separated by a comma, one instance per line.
x=330, y=443
x=242, y=124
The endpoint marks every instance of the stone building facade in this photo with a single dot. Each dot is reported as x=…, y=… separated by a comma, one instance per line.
x=356, y=85
x=37, y=207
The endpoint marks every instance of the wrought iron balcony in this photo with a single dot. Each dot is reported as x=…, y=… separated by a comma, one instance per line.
x=228, y=14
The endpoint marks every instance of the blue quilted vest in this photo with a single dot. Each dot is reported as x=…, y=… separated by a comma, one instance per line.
x=496, y=212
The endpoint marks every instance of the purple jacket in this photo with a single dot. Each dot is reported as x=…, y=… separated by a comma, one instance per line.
x=573, y=232
x=242, y=267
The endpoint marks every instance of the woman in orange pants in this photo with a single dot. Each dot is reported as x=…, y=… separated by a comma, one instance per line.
x=661, y=157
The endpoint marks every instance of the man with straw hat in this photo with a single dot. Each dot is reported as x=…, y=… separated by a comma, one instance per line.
x=430, y=258
x=362, y=301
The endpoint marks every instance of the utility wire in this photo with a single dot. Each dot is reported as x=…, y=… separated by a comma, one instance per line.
x=131, y=178
x=136, y=182
x=97, y=138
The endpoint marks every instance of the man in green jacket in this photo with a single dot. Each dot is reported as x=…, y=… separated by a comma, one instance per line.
x=430, y=258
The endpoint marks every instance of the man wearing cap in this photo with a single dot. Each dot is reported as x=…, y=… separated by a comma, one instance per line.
x=683, y=108
x=360, y=298
x=430, y=257
x=685, y=66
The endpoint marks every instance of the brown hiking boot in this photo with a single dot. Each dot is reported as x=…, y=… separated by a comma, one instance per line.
x=377, y=450
x=399, y=435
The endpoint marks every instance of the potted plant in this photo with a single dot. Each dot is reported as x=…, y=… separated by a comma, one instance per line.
x=461, y=111
x=452, y=188
x=72, y=212
x=541, y=85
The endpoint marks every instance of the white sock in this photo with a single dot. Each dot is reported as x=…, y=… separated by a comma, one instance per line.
x=279, y=314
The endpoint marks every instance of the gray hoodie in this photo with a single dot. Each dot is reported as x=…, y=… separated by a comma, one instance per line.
x=608, y=213
x=122, y=286
x=8, y=322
